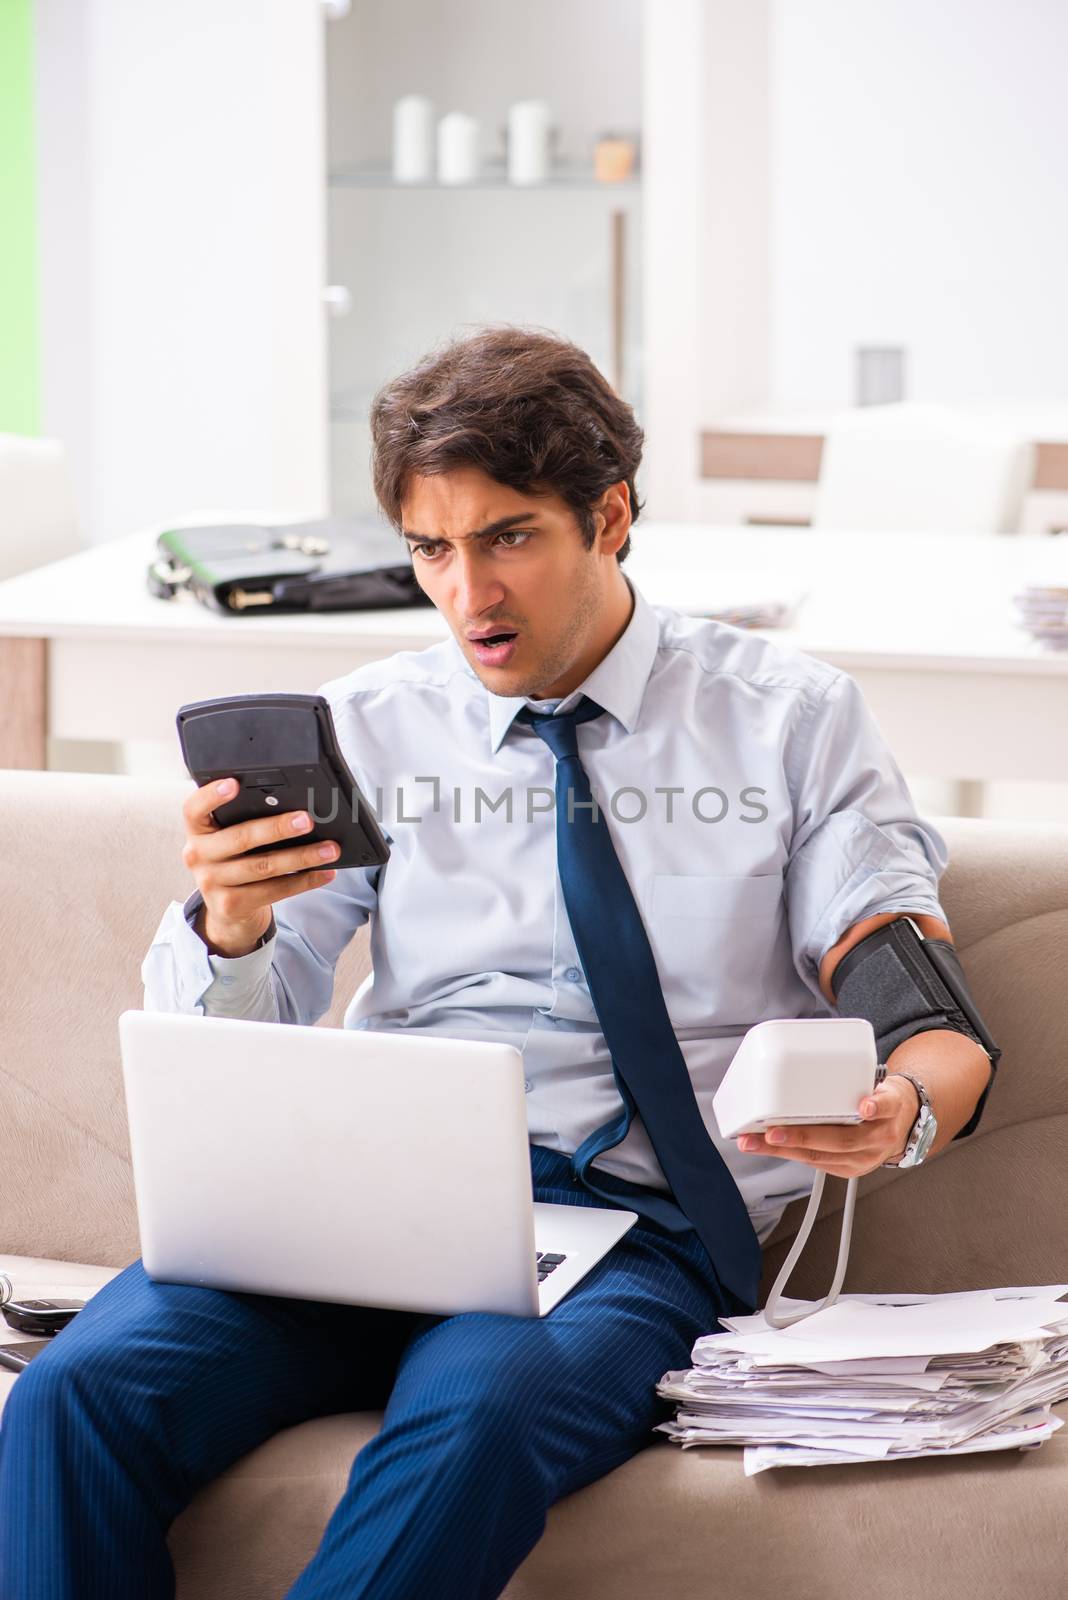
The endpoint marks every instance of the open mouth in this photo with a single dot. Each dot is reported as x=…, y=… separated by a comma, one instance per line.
x=495, y=649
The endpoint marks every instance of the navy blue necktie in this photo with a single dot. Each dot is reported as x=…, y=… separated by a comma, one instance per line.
x=650, y=1070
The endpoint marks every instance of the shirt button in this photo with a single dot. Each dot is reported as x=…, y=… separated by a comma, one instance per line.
x=226, y=979
x=527, y=1085
x=573, y=975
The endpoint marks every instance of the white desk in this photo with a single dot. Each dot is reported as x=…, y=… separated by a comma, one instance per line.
x=925, y=624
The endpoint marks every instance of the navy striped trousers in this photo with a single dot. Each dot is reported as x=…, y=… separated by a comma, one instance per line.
x=155, y=1389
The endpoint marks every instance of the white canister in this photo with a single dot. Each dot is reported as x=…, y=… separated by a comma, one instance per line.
x=413, y=140
x=528, y=142
x=457, y=148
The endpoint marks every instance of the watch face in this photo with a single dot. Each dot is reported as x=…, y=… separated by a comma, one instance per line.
x=928, y=1130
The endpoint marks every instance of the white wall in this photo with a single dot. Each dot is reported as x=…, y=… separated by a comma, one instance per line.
x=706, y=229
x=735, y=210
x=182, y=250
x=919, y=196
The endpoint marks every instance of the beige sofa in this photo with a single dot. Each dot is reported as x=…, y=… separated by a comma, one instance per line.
x=88, y=864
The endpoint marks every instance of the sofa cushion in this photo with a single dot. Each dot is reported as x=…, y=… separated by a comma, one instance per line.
x=677, y=1524
x=90, y=863
x=680, y=1525
x=992, y=1209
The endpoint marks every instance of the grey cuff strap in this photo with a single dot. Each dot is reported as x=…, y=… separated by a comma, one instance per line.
x=905, y=984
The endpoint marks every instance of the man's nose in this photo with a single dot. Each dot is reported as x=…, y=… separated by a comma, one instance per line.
x=476, y=587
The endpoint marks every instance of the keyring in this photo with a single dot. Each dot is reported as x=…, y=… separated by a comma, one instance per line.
x=7, y=1289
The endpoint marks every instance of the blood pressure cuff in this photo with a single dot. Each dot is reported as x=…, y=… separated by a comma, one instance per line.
x=906, y=984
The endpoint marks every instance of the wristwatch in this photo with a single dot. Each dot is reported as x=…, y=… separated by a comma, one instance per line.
x=923, y=1130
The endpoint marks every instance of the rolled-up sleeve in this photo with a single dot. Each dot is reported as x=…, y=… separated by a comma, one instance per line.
x=290, y=979
x=177, y=971
x=859, y=848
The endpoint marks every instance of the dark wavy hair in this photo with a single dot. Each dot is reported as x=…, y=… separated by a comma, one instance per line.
x=527, y=407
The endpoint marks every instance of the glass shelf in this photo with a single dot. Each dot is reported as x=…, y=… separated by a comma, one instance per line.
x=382, y=178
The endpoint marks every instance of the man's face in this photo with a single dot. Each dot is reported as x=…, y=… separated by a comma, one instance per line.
x=512, y=569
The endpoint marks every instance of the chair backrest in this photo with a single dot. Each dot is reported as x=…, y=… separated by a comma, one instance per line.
x=921, y=469
x=89, y=864
x=38, y=522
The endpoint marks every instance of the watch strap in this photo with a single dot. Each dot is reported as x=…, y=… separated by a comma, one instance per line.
x=914, y=1132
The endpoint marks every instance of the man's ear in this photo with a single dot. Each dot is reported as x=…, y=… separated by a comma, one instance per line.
x=612, y=511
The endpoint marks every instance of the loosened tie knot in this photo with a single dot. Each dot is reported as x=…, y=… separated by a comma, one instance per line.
x=559, y=732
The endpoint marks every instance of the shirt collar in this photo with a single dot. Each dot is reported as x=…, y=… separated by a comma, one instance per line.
x=617, y=683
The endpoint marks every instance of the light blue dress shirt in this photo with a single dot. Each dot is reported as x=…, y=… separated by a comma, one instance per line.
x=753, y=803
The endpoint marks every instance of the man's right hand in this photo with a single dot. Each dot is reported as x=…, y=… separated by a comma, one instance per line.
x=238, y=891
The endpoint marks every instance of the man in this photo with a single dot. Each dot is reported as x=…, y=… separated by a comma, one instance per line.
x=694, y=833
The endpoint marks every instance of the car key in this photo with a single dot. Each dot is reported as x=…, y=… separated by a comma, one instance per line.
x=41, y=1317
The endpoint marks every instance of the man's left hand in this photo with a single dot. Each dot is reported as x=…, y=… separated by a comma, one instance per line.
x=847, y=1150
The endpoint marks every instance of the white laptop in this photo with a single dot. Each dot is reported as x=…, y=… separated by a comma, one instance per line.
x=382, y=1169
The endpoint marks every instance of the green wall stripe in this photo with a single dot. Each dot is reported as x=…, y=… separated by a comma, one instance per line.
x=19, y=372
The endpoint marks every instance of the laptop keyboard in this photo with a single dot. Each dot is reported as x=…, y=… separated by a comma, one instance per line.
x=547, y=1263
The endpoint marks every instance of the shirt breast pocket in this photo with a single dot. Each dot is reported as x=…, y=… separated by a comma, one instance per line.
x=714, y=939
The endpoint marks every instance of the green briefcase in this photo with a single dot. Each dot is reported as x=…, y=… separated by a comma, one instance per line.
x=337, y=564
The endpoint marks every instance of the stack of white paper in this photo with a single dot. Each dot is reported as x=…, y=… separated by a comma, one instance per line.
x=879, y=1378
x=1043, y=609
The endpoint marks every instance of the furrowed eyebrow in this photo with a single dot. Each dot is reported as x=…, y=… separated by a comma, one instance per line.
x=501, y=526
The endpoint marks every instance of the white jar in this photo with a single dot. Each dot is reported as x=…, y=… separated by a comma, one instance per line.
x=528, y=142
x=457, y=148
x=413, y=140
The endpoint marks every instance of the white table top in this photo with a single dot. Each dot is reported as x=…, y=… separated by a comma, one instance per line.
x=908, y=601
